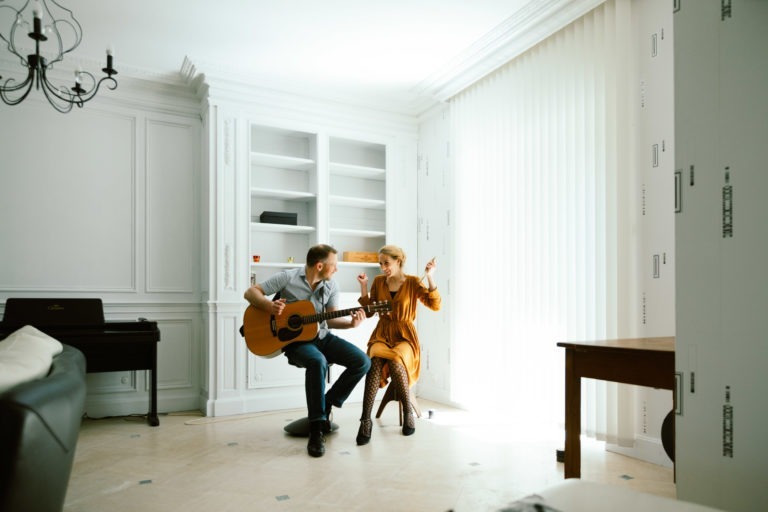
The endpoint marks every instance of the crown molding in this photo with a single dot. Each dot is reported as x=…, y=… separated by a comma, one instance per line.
x=536, y=21
x=220, y=86
x=212, y=79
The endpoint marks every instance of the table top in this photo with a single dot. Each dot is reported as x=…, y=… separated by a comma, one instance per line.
x=660, y=344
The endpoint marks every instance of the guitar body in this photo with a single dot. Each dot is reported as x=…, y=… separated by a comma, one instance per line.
x=266, y=335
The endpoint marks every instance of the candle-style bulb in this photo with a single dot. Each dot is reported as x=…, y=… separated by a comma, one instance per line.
x=110, y=62
x=37, y=10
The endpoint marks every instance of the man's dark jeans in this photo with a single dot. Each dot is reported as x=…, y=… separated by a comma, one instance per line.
x=315, y=356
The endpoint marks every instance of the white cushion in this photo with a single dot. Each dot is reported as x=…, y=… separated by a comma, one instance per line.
x=575, y=495
x=26, y=355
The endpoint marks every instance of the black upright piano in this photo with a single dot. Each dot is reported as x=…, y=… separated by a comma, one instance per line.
x=108, y=346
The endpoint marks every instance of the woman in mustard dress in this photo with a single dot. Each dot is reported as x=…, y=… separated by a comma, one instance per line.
x=394, y=344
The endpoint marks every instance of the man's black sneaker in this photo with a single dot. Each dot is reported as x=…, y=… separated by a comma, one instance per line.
x=316, y=445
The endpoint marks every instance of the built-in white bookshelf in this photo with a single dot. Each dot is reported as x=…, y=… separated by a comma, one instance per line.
x=283, y=178
x=341, y=201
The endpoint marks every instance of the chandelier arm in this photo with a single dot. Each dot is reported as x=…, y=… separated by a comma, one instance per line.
x=61, y=99
x=54, y=96
x=55, y=101
x=88, y=95
x=79, y=98
x=8, y=88
x=8, y=85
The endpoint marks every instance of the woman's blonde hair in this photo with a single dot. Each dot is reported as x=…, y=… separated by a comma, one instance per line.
x=394, y=252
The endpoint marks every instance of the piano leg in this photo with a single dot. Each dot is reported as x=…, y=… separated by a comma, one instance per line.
x=152, y=418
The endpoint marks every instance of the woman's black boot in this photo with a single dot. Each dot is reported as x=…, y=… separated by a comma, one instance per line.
x=364, y=433
x=409, y=425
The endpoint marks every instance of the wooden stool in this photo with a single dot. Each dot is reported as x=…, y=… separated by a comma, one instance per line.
x=391, y=394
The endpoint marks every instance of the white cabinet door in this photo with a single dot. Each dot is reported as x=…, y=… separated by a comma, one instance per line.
x=721, y=247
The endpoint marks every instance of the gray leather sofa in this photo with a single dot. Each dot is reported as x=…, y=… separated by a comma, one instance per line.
x=39, y=426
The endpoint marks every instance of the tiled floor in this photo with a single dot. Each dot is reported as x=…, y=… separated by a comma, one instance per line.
x=454, y=461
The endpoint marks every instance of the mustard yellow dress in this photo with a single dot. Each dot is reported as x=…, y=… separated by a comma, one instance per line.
x=395, y=337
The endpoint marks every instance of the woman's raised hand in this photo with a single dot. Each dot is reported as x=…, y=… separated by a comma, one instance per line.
x=430, y=268
x=362, y=278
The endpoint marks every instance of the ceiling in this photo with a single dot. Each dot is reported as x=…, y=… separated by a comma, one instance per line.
x=392, y=54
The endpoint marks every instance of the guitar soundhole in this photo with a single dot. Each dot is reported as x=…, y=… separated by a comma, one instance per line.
x=294, y=322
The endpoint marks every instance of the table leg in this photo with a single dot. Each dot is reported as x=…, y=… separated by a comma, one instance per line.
x=572, y=466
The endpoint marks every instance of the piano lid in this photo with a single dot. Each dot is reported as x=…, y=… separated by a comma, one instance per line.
x=42, y=312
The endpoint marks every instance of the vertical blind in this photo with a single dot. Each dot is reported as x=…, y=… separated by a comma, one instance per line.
x=537, y=151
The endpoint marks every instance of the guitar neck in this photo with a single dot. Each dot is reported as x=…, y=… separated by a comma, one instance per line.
x=320, y=317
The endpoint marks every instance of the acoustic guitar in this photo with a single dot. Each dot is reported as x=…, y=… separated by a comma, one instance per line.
x=266, y=334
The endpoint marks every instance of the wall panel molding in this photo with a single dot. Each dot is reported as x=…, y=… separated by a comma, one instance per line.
x=71, y=222
x=172, y=225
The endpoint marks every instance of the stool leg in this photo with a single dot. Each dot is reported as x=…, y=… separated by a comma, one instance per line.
x=389, y=395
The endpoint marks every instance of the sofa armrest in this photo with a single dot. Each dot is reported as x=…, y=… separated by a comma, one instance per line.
x=39, y=426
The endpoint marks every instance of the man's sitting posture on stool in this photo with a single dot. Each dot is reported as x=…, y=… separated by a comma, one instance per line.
x=313, y=282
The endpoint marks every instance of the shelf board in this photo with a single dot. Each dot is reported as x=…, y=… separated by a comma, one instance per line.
x=282, y=161
x=363, y=233
x=281, y=228
x=276, y=264
x=357, y=264
x=290, y=195
x=357, y=202
x=357, y=171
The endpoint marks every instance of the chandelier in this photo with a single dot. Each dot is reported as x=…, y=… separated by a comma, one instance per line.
x=55, y=30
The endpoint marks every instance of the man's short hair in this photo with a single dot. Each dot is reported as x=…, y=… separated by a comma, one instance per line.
x=318, y=254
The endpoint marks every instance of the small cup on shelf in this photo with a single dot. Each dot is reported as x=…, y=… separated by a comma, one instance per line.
x=256, y=258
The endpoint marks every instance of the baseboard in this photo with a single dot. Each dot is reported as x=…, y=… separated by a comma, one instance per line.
x=647, y=449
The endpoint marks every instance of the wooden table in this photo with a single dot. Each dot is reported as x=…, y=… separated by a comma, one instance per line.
x=640, y=361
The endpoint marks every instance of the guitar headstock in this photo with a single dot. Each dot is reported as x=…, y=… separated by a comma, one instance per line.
x=381, y=306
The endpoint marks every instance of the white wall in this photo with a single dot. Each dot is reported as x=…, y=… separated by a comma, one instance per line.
x=105, y=202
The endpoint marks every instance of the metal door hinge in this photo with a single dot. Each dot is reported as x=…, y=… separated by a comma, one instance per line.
x=727, y=206
x=725, y=9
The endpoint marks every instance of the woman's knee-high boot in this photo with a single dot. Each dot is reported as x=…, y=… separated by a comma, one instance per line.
x=371, y=387
x=400, y=379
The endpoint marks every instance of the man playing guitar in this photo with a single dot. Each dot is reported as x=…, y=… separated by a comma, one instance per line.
x=313, y=283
